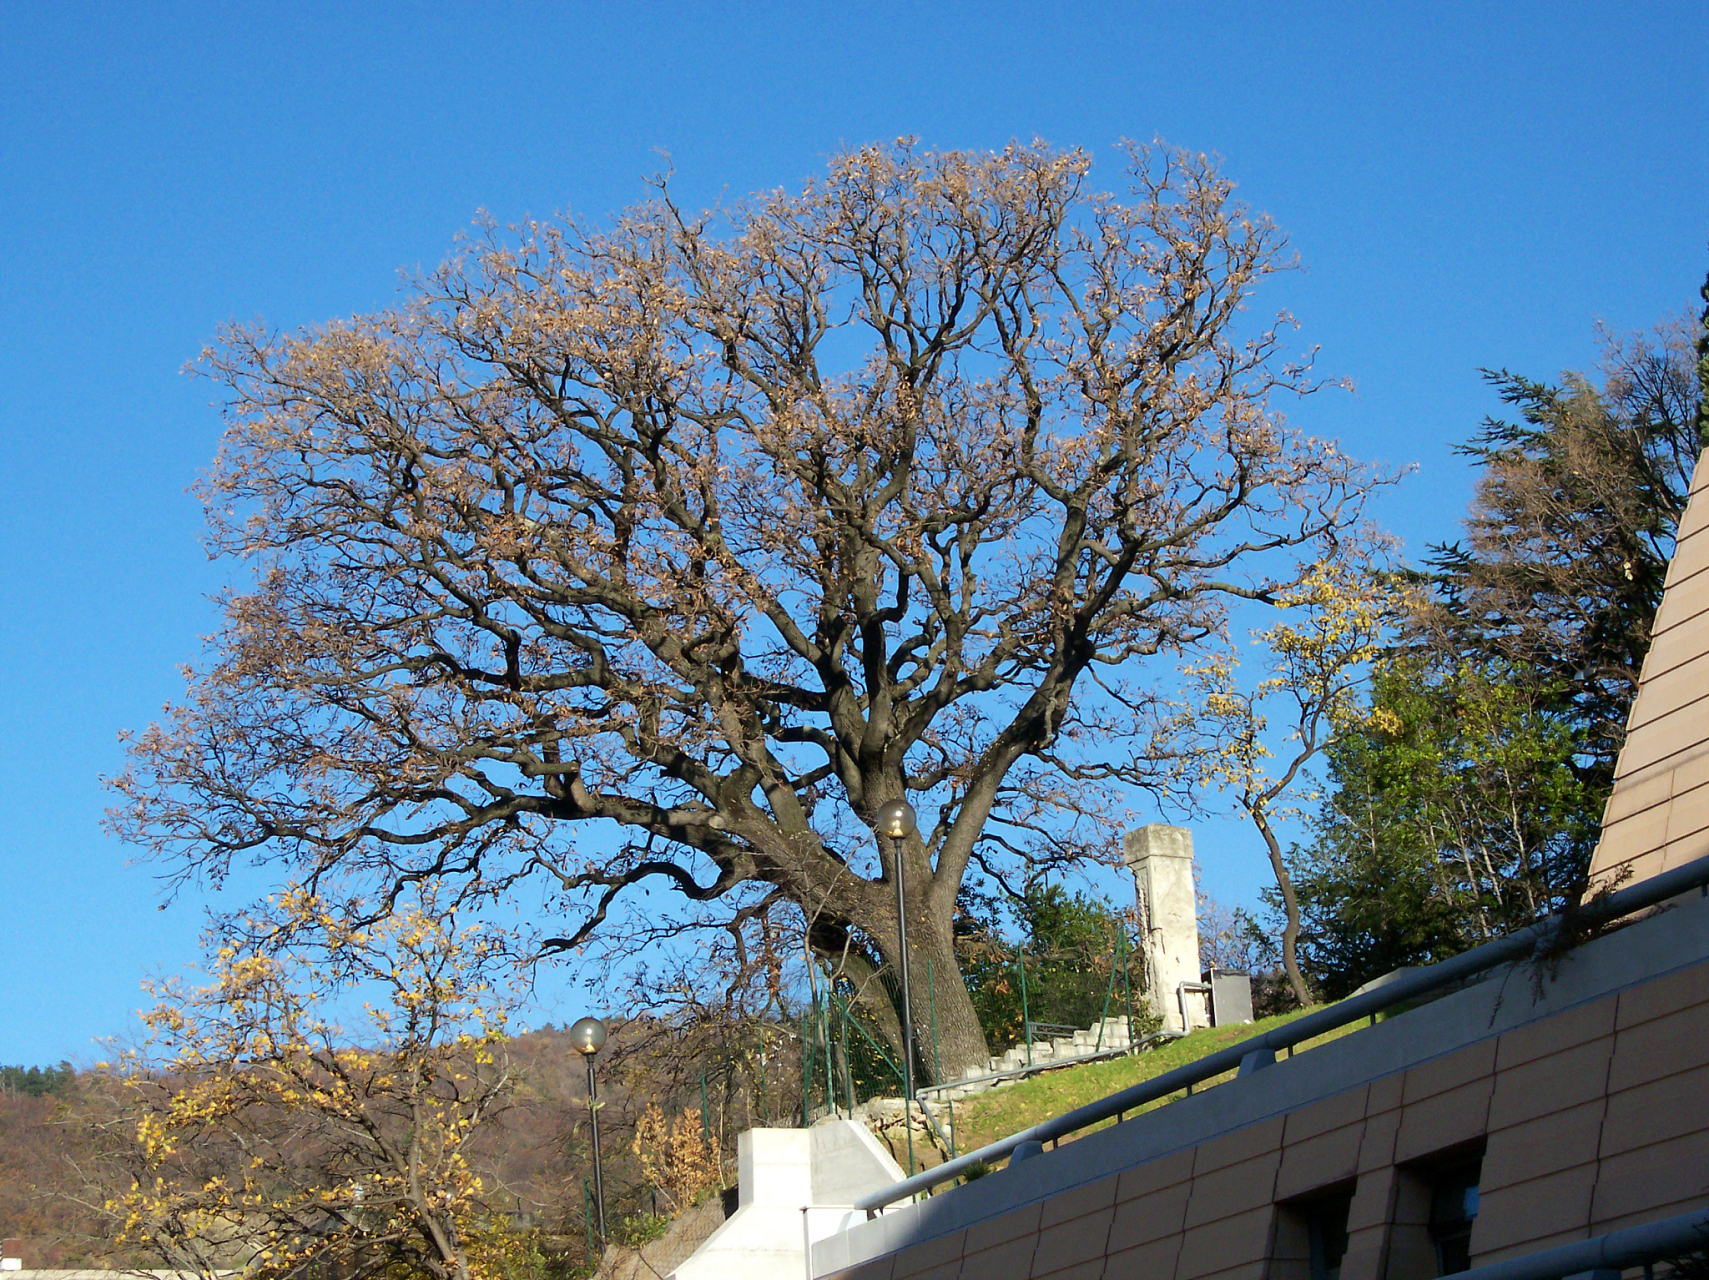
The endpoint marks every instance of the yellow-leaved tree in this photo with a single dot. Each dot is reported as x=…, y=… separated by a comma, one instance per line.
x=274, y=1139
x=676, y=1157
x=1337, y=620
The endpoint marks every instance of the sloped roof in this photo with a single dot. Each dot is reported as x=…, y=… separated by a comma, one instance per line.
x=1658, y=813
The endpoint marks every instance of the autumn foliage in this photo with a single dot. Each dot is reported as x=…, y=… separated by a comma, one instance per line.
x=1256, y=741
x=269, y=1133
x=677, y=1157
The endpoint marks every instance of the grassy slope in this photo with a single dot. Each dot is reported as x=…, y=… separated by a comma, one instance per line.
x=997, y=1114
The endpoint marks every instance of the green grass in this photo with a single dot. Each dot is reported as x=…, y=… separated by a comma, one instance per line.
x=1001, y=1112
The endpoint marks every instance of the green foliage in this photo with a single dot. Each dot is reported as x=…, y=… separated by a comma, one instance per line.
x=1569, y=536
x=529, y=1254
x=1456, y=813
x=638, y=1229
x=37, y=1082
x=1070, y=946
x=1468, y=802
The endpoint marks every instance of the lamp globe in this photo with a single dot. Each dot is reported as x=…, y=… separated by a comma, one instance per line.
x=588, y=1036
x=896, y=819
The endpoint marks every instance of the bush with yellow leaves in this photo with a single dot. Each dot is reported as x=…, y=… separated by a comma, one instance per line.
x=676, y=1157
x=271, y=1138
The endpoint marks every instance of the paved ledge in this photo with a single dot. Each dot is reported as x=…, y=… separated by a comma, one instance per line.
x=37, y=1273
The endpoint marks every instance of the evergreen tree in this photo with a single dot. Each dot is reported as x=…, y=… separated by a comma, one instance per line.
x=1572, y=525
x=1454, y=815
x=1468, y=802
x=1071, y=944
x=37, y=1082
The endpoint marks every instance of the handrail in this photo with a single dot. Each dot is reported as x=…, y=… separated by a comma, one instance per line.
x=1259, y=1051
x=807, y=1232
x=1604, y=1255
x=1038, y=1069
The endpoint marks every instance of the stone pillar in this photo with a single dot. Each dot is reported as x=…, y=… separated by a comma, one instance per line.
x=1161, y=859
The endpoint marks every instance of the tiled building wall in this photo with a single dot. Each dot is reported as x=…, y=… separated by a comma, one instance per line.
x=1658, y=815
x=1590, y=1120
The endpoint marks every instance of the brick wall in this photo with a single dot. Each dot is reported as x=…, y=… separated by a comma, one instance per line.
x=1588, y=1120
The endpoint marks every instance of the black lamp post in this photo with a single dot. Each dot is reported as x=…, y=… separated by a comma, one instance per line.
x=896, y=819
x=588, y=1038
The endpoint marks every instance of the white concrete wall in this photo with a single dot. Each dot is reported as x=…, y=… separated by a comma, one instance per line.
x=847, y=1162
x=773, y=1166
x=783, y=1172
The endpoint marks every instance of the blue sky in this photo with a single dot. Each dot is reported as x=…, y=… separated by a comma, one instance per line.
x=1467, y=185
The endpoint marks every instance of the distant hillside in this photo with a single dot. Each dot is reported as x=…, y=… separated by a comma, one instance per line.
x=537, y=1157
x=42, y=1144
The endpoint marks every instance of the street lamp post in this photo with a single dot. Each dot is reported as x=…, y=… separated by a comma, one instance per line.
x=896, y=819
x=588, y=1038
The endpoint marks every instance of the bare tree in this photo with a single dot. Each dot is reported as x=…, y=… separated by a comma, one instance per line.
x=670, y=552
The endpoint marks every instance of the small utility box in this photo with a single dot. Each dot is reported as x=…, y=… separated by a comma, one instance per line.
x=1231, y=996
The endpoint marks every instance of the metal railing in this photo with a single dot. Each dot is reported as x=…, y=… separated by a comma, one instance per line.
x=807, y=1230
x=1149, y=1040
x=1260, y=1051
x=1059, y=1028
x=1606, y=1255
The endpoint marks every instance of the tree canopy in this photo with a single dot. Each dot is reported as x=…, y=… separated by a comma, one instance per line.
x=1571, y=529
x=666, y=553
x=1467, y=803
x=1453, y=814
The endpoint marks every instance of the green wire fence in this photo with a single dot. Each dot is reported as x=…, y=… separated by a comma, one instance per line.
x=834, y=1036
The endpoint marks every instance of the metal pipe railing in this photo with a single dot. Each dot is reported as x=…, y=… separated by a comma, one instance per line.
x=1670, y=1238
x=1259, y=1051
x=1022, y=1073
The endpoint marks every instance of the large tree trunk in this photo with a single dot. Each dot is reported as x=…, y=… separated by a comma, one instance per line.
x=949, y=1041
x=939, y=998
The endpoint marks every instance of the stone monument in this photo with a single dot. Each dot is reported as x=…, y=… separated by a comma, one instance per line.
x=1161, y=859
